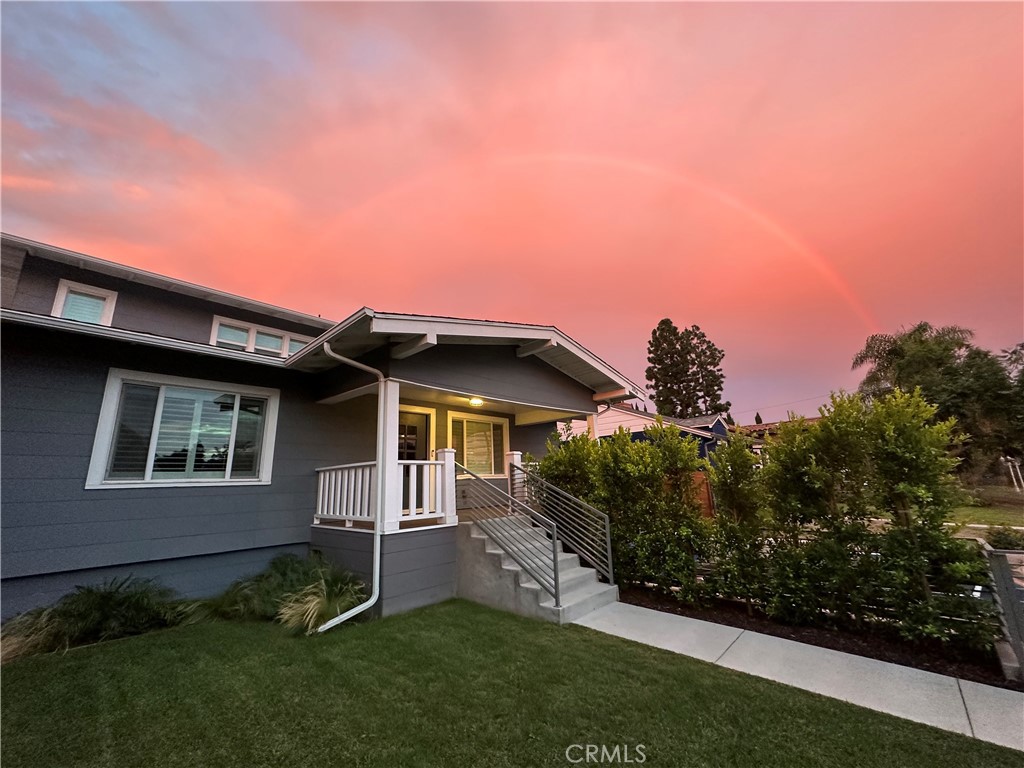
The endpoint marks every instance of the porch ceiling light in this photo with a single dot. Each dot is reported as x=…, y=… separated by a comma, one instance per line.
x=476, y=401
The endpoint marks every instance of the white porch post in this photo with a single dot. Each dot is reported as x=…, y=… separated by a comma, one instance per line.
x=388, y=474
x=447, y=457
x=514, y=459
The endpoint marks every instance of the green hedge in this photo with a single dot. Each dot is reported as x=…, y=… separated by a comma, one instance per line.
x=843, y=526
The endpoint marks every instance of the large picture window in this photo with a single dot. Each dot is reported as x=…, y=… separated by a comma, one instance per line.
x=480, y=442
x=158, y=430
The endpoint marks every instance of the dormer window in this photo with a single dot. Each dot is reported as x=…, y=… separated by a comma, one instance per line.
x=246, y=337
x=84, y=303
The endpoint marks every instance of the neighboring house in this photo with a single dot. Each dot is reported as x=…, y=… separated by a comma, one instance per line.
x=708, y=430
x=159, y=428
x=758, y=434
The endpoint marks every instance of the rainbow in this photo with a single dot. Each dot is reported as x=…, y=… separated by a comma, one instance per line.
x=811, y=258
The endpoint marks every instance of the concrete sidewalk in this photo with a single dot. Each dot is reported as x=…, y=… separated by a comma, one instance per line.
x=982, y=711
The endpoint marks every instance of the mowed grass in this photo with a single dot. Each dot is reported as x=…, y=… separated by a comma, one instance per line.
x=454, y=684
x=990, y=515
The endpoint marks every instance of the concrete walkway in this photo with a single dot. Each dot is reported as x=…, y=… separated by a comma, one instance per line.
x=983, y=711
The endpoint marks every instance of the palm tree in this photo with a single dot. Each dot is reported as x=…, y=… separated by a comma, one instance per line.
x=909, y=358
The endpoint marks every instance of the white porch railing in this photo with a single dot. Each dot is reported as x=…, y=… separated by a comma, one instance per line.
x=347, y=492
x=422, y=485
x=419, y=490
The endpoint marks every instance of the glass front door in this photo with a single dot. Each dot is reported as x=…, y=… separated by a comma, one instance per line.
x=413, y=445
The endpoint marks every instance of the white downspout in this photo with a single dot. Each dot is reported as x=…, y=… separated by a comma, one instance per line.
x=378, y=520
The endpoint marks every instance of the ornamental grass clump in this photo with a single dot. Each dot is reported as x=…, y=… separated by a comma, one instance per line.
x=331, y=594
x=301, y=593
x=91, y=614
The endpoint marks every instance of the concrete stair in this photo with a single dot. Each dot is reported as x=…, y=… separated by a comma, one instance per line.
x=488, y=574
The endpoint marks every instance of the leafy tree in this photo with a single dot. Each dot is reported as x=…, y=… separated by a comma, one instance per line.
x=685, y=372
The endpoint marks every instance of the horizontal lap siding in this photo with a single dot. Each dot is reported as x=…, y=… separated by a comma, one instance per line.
x=494, y=371
x=138, y=307
x=52, y=391
x=417, y=567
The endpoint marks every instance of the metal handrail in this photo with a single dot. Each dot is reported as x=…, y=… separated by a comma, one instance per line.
x=586, y=529
x=505, y=519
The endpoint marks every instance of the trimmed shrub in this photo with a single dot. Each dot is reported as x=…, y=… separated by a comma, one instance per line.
x=646, y=488
x=844, y=526
x=1005, y=537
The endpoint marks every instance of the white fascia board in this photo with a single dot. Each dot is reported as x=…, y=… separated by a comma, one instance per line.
x=134, y=337
x=317, y=344
x=441, y=326
x=145, y=277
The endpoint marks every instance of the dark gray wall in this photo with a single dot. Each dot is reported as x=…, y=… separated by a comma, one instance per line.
x=191, y=577
x=417, y=567
x=494, y=371
x=52, y=390
x=138, y=307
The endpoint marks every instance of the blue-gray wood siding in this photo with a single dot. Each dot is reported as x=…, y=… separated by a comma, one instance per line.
x=417, y=566
x=52, y=390
x=138, y=307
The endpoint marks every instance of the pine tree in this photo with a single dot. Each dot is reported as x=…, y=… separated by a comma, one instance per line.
x=685, y=374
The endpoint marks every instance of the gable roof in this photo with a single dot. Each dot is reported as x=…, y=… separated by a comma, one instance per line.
x=368, y=329
x=144, y=277
x=652, y=418
x=706, y=421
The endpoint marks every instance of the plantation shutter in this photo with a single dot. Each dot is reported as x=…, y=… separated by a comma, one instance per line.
x=134, y=430
x=83, y=307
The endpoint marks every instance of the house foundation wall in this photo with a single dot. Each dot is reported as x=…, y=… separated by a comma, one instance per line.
x=417, y=567
x=192, y=577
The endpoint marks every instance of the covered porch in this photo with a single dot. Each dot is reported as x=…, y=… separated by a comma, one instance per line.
x=435, y=443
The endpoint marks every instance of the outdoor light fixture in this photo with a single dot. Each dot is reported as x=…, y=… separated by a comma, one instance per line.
x=476, y=401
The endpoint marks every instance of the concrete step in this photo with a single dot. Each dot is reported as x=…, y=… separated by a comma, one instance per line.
x=488, y=574
x=582, y=599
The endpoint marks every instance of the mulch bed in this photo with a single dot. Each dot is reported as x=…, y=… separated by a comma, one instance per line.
x=975, y=666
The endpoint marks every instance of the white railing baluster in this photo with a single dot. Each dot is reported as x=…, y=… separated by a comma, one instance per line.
x=346, y=493
x=410, y=474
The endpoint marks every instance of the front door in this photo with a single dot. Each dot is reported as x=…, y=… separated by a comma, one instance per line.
x=413, y=445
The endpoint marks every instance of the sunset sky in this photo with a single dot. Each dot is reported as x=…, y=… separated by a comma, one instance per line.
x=789, y=177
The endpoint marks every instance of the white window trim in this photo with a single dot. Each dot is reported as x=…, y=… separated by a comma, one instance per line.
x=107, y=424
x=253, y=329
x=64, y=286
x=452, y=415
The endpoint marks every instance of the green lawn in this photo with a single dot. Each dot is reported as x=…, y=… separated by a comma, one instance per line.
x=989, y=515
x=455, y=684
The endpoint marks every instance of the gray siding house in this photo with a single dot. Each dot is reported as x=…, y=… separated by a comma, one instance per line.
x=162, y=429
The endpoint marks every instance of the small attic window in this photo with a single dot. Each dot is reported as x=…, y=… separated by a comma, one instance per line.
x=246, y=337
x=84, y=303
